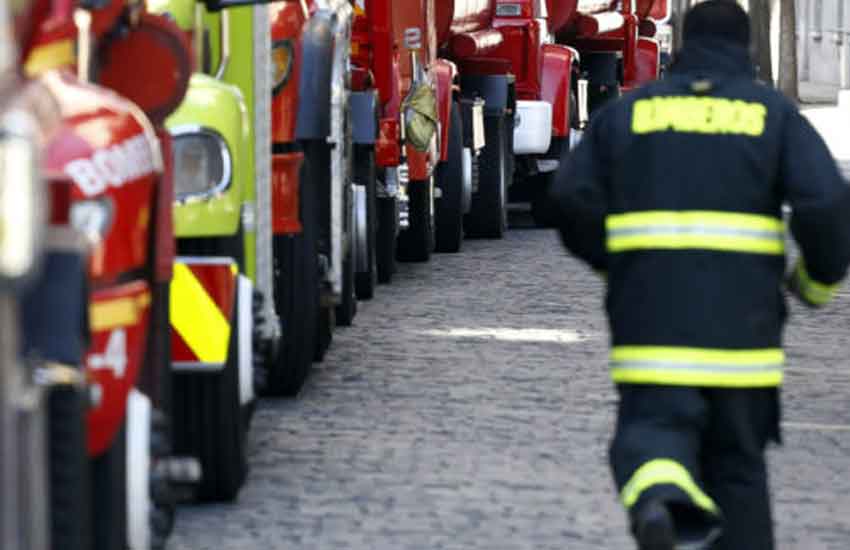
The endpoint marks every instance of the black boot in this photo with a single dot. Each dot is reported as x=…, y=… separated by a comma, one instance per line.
x=653, y=527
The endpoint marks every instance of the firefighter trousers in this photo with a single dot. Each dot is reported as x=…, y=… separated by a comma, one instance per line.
x=701, y=452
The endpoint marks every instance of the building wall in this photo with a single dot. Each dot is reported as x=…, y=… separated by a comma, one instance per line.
x=823, y=28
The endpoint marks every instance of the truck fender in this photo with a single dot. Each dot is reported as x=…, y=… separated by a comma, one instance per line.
x=317, y=51
x=444, y=75
x=364, y=109
x=494, y=89
x=556, y=82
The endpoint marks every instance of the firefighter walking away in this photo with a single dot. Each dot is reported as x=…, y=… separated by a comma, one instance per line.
x=676, y=195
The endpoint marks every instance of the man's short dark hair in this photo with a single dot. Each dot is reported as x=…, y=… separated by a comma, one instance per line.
x=718, y=19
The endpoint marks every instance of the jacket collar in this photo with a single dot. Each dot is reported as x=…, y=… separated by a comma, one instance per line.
x=709, y=57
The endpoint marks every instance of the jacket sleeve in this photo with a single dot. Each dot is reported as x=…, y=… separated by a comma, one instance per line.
x=820, y=204
x=580, y=200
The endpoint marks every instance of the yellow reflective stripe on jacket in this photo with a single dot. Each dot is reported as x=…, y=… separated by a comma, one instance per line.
x=197, y=318
x=817, y=293
x=683, y=366
x=664, y=471
x=695, y=229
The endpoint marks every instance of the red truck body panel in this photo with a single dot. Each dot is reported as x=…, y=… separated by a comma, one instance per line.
x=287, y=22
x=385, y=39
x=109, y=153
x=522, y=47
x=415, y=30
x=373, y=48
x=119, y=321
x=555, y=85
x=565, y=13
x=444, y=73
x=485, y=39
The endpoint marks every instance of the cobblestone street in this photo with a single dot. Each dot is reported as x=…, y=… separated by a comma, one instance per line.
x=470, y=408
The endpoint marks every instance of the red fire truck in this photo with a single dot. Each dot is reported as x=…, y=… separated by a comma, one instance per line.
x=111, y=187
x=418, y=139
x=543, y=68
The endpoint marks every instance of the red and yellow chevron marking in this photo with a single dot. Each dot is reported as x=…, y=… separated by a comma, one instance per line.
x=203, y=296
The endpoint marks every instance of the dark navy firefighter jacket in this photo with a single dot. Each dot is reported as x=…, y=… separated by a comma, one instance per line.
x=676, y=193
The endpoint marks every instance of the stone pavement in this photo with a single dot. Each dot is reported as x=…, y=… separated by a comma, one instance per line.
x=469, y=408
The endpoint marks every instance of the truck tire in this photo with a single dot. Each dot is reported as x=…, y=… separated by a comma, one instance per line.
x=543, y=211
x=208, y=425
x=325, y=323
x=347, y=308
x=163, y=494
x=416, y=243
x=155, y=381
x=296, y=297
x=70, y=515
x=474, y=169
x=449, y=207
x=488, y=216
x=385, y=247
x=317, y=167
x=109, y=495
x=510, y=159
x=364, y=174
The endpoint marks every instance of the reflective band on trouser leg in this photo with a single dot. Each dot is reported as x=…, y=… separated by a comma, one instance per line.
x=197, y=318
x=680, y=366
x=663, y=471
x=695, y=229
x=817, y=293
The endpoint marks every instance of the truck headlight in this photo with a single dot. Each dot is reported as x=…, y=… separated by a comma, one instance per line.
x=202, y=163
x=22, y=197
x=283, y=54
